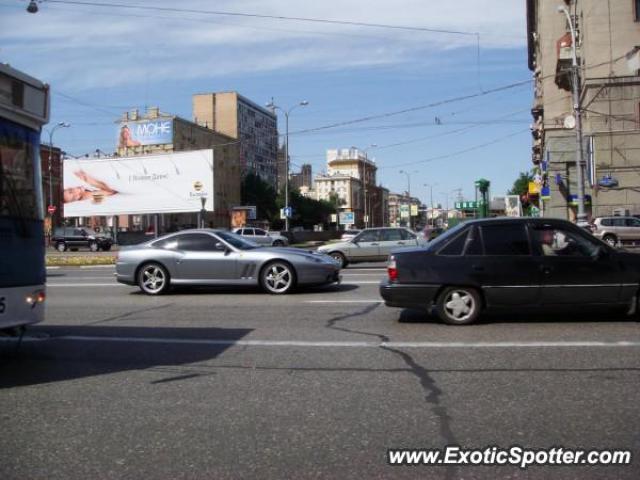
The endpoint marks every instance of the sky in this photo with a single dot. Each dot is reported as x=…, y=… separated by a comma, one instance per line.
x=104, y=60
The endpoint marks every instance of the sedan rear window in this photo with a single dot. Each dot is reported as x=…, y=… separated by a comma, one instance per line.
x=456, y=246
x=505, y=240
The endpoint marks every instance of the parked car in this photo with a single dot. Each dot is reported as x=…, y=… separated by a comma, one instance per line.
x=215, y=257
x=65, y=238
x=262, y=237
x=371, y=245
x=517, y=265
x=349, y=235
x=616, y=229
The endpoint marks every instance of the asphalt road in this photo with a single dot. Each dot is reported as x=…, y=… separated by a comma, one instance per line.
x=218, y=383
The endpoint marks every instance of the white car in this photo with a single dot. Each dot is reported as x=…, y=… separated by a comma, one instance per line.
x=349, y=235
x=262, y=237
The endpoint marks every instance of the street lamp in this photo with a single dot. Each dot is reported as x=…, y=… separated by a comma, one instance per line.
x=408, y=174
x=364, y=181
x=286, y=113
x=581, y=217
x=431, y=185
x=51, y=132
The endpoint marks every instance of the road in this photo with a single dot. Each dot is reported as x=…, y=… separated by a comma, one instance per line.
x=218, y=383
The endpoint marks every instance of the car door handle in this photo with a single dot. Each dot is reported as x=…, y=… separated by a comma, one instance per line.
x=546, y=269
x=374, y=243
x=400, y=243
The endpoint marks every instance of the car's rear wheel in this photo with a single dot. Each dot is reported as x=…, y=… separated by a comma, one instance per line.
x=340, y=258
x=610, y=239
x=93, y=246
x=278, y=278
x=106, y=248
x=61, y=246
x=458, y=305
x=153, y=279
x=278, y=243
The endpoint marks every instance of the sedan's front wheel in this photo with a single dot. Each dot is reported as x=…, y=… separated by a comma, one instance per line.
x=458, y=305
x=278, y=278
x=153, y=279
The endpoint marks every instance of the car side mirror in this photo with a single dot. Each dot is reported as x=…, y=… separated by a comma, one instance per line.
x=220, y=247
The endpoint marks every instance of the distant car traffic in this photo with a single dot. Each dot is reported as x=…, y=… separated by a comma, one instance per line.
x=616, y=229
x=65, y=238
x=516, y=265
x=215, y=257
x=262, y=237
x=371, y=245
x=349, y=235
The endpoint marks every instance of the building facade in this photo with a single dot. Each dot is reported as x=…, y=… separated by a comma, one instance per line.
x=237, y=117
x=400, y=208
x=155, y=132
x=302, y=179
x=608, y=33
x=351, y=181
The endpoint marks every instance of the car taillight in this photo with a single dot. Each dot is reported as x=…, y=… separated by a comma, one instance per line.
x=392, y=271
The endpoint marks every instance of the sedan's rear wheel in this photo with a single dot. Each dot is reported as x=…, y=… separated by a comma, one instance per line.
x=278, y=243
x=278, y=277
x=93, y=246
x=153, y=279
x=610, y=239
x=61, y=246
x=458, y=305
x=340, y=258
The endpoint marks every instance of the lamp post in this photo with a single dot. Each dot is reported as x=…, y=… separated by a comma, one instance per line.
x=286, y=113
x=431, y=185
x=581, y=217
x=409, y=193
x=51, y=132
x=365, y=183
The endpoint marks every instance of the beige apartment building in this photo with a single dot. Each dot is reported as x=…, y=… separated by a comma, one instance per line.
x=351, y=177
x=608, y=35
x=235, y=116
x=170, y=133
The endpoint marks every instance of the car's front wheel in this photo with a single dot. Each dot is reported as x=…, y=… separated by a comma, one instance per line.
x=278, y=278
x=458, y=305
x=61, y=246
x=153, y=279
x=93, y=246
x=278, y=243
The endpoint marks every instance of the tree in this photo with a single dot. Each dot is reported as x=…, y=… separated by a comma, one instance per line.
x=307, y=212
x=521, y=188
x=255, y=191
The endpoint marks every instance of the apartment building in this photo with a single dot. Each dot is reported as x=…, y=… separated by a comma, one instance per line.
x=235, y=116
x=607, y=39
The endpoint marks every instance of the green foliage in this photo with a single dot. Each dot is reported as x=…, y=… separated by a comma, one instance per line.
x=521, y=185
x=255, y=191
x=307, y=212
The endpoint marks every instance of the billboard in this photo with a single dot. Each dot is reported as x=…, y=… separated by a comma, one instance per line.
x=165, y=183
x=145, y=132
x=347, y=218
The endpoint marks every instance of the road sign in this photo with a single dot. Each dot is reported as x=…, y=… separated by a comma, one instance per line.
x=466, y=205
x=414, y=210
x=347, y=218
x=404, y=211
x=286, y=213
x=51, y=209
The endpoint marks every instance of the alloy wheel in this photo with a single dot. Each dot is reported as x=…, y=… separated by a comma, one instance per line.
x=460, y=306
x=278, y=278
x=153, y=279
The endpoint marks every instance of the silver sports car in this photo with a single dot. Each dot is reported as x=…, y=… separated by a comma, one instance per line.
x=214, y=257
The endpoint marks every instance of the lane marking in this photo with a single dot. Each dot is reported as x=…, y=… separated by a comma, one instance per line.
x=343, y=301
x=362, y=275
x=347, y=270
x=334, y=344
x=89, y=267
x=87, y=285
x=59, y=278
x=53, y=268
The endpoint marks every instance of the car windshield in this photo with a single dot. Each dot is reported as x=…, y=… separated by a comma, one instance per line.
x=237, y=241
x=441, y=239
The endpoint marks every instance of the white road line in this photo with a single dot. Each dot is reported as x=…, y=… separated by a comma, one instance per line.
x=86, y=285
x=336, y=344
x=89, y=267
x=344, y=301
x=53, y=268
x=347, y=270
x=59, y=278
x=344, y=274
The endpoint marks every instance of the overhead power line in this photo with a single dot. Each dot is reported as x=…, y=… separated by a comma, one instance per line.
x=264, y=16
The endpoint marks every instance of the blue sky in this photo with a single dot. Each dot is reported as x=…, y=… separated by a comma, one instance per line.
x=101, y=62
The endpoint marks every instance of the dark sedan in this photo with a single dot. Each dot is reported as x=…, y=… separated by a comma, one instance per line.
x=512, y=264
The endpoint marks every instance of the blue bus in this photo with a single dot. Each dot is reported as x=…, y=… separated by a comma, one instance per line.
x=24, y=109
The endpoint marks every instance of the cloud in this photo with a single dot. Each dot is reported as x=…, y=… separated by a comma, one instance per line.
x=86, y=47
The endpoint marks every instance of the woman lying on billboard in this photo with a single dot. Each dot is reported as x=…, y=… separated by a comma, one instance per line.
x=75, y=194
